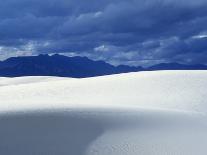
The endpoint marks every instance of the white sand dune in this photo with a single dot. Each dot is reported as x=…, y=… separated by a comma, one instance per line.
x=145, y=113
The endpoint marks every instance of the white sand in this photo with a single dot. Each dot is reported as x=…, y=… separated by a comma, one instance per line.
x=145, y=113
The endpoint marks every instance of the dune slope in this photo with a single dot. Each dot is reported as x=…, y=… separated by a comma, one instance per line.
x=146, y=113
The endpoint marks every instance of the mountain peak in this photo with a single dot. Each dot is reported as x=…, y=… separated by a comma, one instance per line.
x=78, y=67
x=57, y=65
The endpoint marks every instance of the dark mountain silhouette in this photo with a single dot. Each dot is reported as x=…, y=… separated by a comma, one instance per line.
x=79, y=67
x=59, y=65
x=177, y=66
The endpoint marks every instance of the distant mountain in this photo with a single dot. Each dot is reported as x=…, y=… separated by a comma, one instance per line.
x=78, y=67
x=177, y=66
x=59, y=65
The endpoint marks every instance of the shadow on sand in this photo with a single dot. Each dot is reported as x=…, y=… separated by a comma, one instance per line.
x=46, y=134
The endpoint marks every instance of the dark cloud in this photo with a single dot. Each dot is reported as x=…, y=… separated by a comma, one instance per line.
x=135, y=32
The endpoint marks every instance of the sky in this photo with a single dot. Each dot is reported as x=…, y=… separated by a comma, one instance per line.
x=131, y=32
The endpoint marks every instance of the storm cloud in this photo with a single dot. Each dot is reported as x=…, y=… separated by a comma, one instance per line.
x=133, y=32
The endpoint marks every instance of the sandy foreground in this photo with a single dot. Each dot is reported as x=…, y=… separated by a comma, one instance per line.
x=145, y=113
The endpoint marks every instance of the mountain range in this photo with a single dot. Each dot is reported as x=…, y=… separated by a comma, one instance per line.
x=77, y=67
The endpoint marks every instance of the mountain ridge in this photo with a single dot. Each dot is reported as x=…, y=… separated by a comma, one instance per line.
x=77, y=67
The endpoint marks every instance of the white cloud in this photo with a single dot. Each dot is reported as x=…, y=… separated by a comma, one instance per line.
x=200, y=36
x=102, y=48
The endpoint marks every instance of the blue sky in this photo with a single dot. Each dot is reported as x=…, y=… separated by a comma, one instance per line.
x=133, y=32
